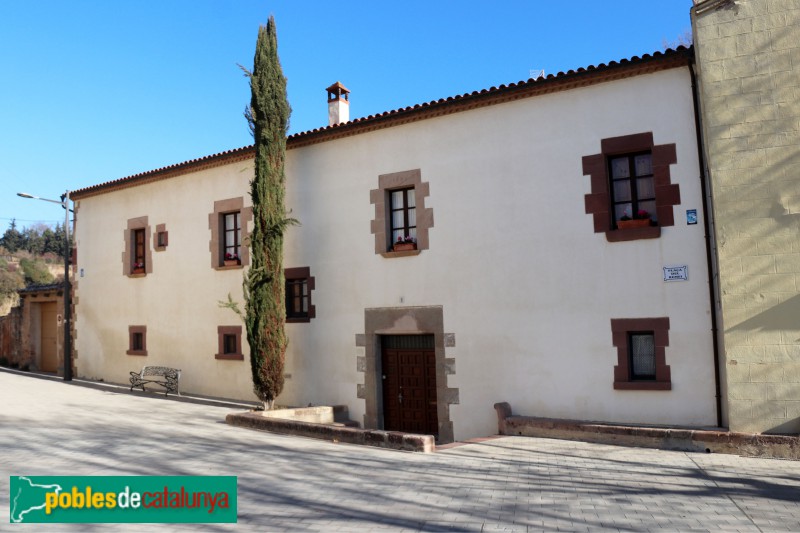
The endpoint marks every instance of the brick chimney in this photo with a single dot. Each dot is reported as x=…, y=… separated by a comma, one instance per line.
x=338, y=104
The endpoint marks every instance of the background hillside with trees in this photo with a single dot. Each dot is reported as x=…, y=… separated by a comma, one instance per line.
x=33, y=256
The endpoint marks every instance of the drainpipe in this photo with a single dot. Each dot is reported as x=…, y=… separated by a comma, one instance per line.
x=707, y=213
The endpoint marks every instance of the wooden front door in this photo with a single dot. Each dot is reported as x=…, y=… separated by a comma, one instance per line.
x=49, y=327
x=409, y=384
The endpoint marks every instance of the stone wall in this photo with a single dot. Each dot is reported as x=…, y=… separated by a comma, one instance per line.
x=11, y=337
x=748, y=58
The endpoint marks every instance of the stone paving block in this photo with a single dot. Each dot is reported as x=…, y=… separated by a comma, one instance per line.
x=295, y=484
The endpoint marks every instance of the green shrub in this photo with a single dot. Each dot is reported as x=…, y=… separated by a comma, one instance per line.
x=36, y=272
x=10, y=283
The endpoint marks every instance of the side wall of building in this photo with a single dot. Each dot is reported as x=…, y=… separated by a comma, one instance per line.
x=749, y=71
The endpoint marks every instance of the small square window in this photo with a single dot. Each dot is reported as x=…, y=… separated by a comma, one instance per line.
x=229, y=343
x=641, y=345
x=162, y=238
x=137, y=340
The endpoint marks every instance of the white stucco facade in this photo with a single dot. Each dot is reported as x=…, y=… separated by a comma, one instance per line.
x=527, y=288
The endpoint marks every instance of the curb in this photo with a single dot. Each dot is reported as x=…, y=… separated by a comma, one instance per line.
x=119, y=388
x=689, y=440
x=392, y=440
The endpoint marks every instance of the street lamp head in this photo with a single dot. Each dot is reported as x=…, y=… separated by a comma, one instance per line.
x=25, y=195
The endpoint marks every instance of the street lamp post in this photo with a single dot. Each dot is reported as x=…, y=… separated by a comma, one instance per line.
x=67, y=304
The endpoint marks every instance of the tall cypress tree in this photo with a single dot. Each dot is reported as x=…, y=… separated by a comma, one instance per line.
x=265, y=314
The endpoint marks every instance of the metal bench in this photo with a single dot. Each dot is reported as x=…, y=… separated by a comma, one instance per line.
x=167, y=377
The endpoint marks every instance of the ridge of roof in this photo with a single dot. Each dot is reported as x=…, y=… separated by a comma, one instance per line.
x=42, y=287
x=623, y=68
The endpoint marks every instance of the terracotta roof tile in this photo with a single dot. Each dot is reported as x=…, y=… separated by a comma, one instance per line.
x=670, y=58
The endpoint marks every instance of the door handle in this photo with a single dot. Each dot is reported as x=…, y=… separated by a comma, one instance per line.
x=400, y=396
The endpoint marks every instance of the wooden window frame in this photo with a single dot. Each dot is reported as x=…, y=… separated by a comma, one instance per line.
x=406, y=228
x=137, y=332
x=632, y=179
x=234, y=251
x=621, y=330
x=138, y=238
x=227, y=331
x=300, y=275
x=599, y=202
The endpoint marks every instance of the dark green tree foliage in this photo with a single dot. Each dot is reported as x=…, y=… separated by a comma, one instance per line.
x=38, y=239
x=12, y=239
x=265, y=313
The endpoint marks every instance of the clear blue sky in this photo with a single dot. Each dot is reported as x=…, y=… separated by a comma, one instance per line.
x=93, y=91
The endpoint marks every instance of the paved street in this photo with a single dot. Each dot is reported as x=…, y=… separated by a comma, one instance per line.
x=293, y=484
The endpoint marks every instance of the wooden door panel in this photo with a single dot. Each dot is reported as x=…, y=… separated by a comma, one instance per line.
x=49, y=327
x=409, y=390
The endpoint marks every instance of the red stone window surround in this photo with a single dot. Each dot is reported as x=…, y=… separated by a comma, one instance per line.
x=621, y=328
x=162, y=238
x=229, y=343
x=299, y=287
x=134, y=224
x=598, y=202
x=137, y=340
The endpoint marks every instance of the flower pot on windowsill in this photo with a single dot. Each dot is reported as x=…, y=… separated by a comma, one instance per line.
x=137, y=270
x=633, y=223
x=404, y=246
x=232, y=262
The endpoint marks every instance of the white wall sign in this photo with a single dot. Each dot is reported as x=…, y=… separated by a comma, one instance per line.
x=676, y=273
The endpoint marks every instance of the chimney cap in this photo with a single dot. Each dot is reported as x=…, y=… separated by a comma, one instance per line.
x=336, y=91
x=336, y=87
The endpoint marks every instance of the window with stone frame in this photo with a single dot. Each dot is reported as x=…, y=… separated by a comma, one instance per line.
x=299, y=286
x=162, y=238
x=641, y=345
x=229, y=343
x=401, y=213
x=630, y=179
x=137, y=340
x=136, y=259
x=229, y=234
